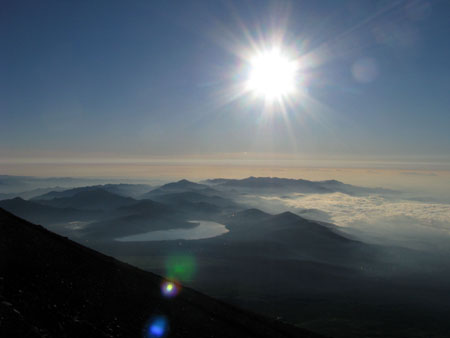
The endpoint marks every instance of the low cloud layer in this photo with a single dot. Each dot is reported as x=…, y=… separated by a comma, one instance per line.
x=375, y=218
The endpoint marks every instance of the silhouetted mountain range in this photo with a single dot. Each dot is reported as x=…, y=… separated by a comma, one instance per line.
x=45, y=214
x=180, y=187
x=15, y=184
x=30, y=193
x=97, y=199
x=126, y=190
x=281, y=265
x=108, y=215
x=297, y=237
x=285, y=185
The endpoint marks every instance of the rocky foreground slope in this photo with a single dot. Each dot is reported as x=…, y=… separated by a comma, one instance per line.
x=53, y=287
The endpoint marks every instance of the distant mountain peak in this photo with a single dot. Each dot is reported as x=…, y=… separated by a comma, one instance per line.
x=178, y=187
x=253, y=212
x=251, y=215
x=287, y=215
x=185, y=181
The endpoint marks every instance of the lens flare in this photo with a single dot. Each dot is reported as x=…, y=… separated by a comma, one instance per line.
x=169, y=289
x=180, y=267
x=158, y=327
x=365, y=70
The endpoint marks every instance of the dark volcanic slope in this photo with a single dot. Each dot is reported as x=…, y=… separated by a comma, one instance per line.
x=53, y=287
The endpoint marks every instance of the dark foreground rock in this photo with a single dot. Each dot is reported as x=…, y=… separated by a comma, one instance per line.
x=53, y=287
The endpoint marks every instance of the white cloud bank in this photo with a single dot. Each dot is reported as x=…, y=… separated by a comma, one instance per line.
x=375, y=217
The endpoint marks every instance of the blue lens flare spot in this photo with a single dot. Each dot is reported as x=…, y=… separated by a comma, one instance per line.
x=157, y=327
x=169, y=289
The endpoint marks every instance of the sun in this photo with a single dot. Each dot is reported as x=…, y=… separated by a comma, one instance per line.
x=272, y=75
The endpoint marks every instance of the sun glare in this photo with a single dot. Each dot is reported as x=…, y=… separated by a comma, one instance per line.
x=272, y=75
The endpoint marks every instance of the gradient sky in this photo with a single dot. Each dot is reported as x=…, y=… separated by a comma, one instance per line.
x=145, y=79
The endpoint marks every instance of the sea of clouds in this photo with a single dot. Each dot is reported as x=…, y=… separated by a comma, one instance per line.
x=374, y=218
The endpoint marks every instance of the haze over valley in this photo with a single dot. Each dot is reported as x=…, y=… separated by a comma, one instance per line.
x=284, y=248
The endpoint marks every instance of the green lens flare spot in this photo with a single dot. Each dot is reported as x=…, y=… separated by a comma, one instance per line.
x=180, y=267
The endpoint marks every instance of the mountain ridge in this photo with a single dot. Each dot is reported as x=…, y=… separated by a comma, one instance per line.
x=39, y=213
x=292, y=185
x=122, y=189
x=90, y=199
x=179, y=187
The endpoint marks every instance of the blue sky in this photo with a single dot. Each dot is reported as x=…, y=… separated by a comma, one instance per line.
x=147, y=79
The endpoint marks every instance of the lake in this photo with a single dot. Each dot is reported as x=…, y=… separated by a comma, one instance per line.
x=205, y=229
